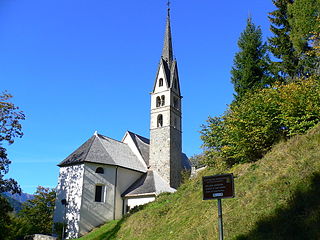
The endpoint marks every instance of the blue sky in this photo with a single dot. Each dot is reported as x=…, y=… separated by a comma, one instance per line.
x=76, y=66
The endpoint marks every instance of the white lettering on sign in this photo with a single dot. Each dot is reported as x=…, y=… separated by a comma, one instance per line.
x=217, y=194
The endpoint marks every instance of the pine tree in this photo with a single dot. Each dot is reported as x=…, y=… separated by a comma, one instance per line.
x=250, y=67
x=280, y=44
x=304, y=26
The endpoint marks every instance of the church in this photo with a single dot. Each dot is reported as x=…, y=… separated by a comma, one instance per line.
x=104, y=178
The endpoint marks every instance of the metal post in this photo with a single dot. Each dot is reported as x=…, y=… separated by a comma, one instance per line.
x=220, y=219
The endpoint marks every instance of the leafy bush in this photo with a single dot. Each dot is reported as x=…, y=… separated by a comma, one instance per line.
x=254, y=124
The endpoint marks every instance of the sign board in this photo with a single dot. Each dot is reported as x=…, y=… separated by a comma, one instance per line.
x=218, y=186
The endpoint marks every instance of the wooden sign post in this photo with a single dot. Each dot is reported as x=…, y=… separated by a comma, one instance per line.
x=218, y=187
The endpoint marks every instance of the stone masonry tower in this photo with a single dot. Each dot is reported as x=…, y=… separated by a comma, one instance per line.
x=165, y=126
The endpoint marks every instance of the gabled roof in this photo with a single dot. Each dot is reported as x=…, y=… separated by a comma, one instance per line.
x=149, y=183
x=103, y=150
x=166, y=70
x=142, y=145
x=173, y=72
x=186, y=164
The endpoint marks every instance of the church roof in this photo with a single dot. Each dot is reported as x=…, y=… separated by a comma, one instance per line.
x=103, y=150
x=149, y=183
x=142, y=145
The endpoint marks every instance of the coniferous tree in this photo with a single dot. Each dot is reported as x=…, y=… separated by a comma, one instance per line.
x=251, y=63
x=304, y=26
x=280, y=44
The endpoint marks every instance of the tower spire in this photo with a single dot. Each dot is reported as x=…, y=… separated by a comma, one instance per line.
x=167, y=54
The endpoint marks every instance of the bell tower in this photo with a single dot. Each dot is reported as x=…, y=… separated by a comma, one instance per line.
x=165, y=124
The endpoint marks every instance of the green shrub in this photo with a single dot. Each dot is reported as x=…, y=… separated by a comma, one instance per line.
x=252, y=125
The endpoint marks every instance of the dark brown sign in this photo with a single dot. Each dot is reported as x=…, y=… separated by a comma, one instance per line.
x=218, y=186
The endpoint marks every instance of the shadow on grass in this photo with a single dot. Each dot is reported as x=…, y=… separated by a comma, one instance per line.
x=300, y=220
x=112, y=233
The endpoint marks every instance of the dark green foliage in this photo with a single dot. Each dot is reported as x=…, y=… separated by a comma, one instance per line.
x=250, y=65
x=15, y=204
x=38, y=212
x=303, y=22
x=280, y=44
x=5, y=220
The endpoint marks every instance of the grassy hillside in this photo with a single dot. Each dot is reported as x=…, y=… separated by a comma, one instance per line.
x=277, y=197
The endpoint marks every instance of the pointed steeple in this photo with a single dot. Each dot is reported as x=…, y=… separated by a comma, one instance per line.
x=167, y=54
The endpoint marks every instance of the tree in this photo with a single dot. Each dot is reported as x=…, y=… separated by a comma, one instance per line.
x=250, y=67
x=38, y=212
x=10, y=128
x=280, y=44
x=250, y=127
x=303, y=22
x=315, y=47
x=197, y=161
x=5, y=220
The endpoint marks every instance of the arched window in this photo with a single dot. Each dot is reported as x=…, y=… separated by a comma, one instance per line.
x=99, y=170
x=162, y=100
x=160, y=82
x=159, y=120
x=175, y=123
x=175, y=84
x=158, y=102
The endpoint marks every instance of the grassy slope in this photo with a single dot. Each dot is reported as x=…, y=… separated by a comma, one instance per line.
x=277, y=197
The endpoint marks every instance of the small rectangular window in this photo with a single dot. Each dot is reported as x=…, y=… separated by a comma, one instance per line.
x=99, y=195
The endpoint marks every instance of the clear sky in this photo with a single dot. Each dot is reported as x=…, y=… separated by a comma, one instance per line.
x=76, y=66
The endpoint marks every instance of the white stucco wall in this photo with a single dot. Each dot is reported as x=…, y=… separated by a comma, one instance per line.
x=125, y=178
x=136, y=201
x=94, y=213
x=77, y=185
x=70, y=188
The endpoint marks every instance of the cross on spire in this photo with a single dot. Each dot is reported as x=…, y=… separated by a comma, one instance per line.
x=168, y=4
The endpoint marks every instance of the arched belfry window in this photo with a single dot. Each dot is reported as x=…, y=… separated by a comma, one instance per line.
x=158, y=101
x=175, y=84
x=160, y=82
x=99, y=170
x=162, y=100
x=159, y=120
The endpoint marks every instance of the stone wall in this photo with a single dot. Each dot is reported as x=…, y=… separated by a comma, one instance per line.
x=39, y=237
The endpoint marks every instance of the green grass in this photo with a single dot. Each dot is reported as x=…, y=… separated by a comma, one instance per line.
x=277, y=197
x=107, y=231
